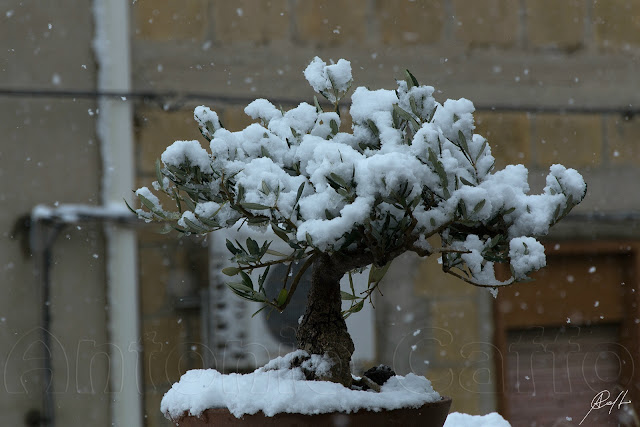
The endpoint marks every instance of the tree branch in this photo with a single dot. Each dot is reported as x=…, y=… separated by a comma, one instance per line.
x=296, y=280
x=510, y=281
x=265, y=264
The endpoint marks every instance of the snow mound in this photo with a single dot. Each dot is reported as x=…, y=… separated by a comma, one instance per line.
x=456, y=419
x=276, y=388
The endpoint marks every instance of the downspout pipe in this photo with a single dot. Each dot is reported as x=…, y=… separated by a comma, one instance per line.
x=115, y=132
x=41, y=240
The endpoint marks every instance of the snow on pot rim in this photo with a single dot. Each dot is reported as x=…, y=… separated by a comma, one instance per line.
x=277, y=388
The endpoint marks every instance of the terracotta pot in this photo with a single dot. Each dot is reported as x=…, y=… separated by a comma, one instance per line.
x=428, y=415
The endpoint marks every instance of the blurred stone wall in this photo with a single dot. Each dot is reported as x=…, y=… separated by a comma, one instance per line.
x=551, y=81
x=49, y=154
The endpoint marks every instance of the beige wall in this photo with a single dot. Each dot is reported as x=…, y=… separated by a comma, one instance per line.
x=527, y=55
x=49, y=154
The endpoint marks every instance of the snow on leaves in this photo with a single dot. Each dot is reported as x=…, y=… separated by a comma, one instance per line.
x=411, y=168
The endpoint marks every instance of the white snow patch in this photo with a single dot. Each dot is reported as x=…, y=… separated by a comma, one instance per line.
x=190, y=152
x=207, y=120
x=276, y=388
x=330, y=80
x=74, y=213
x=457, y=419
x=527, y=254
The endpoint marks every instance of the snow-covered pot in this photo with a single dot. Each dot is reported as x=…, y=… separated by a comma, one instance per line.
x=429, y=415
x=279, y=394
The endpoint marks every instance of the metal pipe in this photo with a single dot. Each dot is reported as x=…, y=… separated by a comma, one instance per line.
x=45, y=226
x=115, y=131
x=42, y=238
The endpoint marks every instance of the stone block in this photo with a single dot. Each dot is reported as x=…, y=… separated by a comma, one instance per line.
x=346, y=122
x=457, y=316
x=623, y=140
x=573, y=140
x=47, y=45
x=556, y=24
x=433, y=282
x=616, y=24
x=235, y=119
x=165, y=20
x=196, y=352
x=509, y=135
x=154, y=275
x=410, y=22
x=152, y=415
x=251, y=20
x=331, y=22
x=447, y=382
x=49, y=154
x=486, y=22
x=162, y=338
x=156, y=130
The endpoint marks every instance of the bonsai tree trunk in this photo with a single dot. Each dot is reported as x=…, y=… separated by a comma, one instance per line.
x=323, y=329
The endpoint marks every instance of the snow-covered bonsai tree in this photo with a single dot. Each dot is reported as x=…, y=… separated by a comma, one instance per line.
x=411, y=176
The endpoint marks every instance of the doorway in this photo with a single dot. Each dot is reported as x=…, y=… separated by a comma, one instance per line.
x=571, y=338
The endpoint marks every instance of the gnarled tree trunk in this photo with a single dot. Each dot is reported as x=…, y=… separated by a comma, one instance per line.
x=323, y=329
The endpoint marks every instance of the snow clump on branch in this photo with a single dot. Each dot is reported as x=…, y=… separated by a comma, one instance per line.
x=411, y=168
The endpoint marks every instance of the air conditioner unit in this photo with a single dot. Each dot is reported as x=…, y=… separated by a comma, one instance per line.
x=239, y=342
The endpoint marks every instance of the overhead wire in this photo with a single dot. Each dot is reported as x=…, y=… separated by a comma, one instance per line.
x=173, y=100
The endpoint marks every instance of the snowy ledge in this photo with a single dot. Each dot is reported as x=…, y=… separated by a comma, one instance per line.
x=285, y=390
x=72, y=213
x=493, y=419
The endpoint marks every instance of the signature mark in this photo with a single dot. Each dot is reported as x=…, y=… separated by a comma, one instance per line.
x=602, y=400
